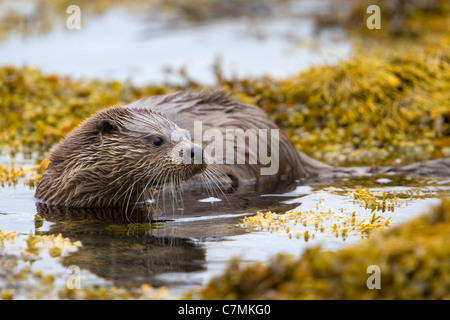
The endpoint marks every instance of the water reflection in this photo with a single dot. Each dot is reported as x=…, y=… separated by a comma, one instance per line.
x=181, y=247
x=132, y=248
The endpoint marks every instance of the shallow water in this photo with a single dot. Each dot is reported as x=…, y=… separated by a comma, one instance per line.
x=186, y=247
x=121, y=45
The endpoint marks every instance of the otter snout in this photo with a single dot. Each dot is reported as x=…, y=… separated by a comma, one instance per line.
x=196, y=154
x=193, y=157
x=192, y=154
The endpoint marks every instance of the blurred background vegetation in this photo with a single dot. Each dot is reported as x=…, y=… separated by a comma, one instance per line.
x=389, y=101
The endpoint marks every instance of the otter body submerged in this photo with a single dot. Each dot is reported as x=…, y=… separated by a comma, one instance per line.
x=122, y=155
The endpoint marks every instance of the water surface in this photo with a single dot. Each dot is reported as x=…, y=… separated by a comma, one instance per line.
x=186, y=246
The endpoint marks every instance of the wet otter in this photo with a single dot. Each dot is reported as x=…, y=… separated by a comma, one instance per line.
x=117, y=157
x=121, y=155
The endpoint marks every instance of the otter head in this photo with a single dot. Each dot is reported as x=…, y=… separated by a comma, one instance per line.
x=118, y=157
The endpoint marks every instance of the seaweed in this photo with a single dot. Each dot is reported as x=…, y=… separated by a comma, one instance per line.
x=413, y=260
x=366, y=110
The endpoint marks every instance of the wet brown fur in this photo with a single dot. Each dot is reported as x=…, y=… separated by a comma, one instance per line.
x=89, y=169
x=114, y=166
x=217, y=110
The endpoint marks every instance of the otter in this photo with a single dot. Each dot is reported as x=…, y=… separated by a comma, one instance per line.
x=123, y=155
x=116, y=157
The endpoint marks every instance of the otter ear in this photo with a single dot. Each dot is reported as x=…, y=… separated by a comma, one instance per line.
x=106, y=126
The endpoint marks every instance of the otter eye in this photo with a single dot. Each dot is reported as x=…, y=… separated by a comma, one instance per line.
x=157, y=142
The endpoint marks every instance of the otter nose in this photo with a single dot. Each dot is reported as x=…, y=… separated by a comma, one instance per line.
x=196, y=154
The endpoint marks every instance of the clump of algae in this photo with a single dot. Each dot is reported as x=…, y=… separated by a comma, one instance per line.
x=388, y=101
x=314, y=222
x=10, y=176
x=369, y=109
x=7, y=236
x=373, y=213
x=30, y=175
x=18, y=274
x=413, y=260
